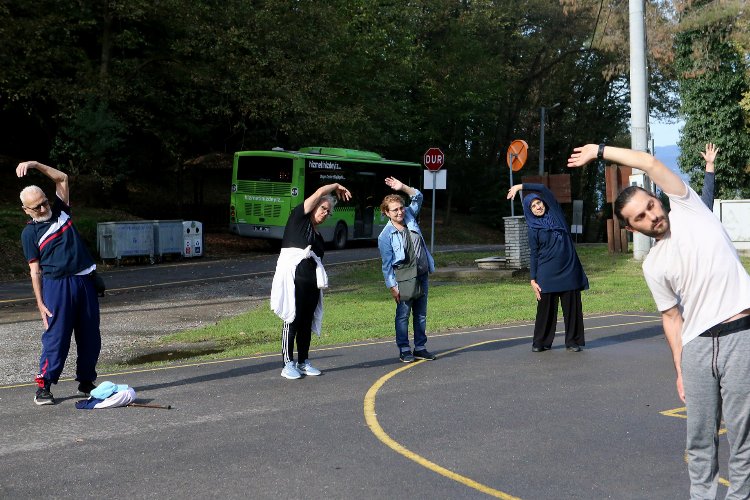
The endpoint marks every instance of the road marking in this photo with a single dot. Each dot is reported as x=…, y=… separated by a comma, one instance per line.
x=372, y=422
x=374, y=425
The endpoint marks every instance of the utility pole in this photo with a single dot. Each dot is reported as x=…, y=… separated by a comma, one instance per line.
x=541, y=136
x=639, y=108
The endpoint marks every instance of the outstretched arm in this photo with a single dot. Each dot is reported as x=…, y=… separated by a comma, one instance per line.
x=667, y=180
x=59, y=178
x=341, y=192
x=707, y=195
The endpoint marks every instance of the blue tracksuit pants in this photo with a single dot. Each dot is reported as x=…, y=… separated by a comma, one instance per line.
x=75, y=310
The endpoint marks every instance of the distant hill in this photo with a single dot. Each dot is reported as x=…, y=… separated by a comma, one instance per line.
x=668, y=155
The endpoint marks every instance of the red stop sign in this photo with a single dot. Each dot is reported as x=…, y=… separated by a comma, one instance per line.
x=433, y=159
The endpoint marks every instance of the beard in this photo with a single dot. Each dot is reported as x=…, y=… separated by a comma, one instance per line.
x=659, y=228
x=43, y=218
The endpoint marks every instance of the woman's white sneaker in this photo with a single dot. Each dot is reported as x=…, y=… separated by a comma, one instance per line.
x=308, y=369
x=290, y=371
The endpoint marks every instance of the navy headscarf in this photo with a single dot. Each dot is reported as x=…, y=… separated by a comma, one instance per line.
x=546, y=221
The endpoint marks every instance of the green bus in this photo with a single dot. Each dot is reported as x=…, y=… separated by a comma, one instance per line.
x=267, y=185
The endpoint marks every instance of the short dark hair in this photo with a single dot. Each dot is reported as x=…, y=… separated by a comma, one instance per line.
x=624, y=197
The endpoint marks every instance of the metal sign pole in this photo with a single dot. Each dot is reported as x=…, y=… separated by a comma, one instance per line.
x=432, y=230
x=512, y=157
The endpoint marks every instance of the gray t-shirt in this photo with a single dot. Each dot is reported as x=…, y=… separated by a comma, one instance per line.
x=416, y=251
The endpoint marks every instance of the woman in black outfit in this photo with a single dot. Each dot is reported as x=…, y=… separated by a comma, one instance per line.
x=296, y=294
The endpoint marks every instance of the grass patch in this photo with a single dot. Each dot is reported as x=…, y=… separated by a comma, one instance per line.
x=358, y=307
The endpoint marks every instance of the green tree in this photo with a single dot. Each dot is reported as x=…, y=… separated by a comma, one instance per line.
x=713, y=80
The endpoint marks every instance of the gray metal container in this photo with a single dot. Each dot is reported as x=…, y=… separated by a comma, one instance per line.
x=115, y=240
x=167, y=237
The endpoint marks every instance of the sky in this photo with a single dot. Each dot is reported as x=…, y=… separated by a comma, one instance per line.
x=665, y=134
x=665, y=137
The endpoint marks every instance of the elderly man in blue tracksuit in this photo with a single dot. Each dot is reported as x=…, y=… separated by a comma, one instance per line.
x=61, y=275
x=404, y=252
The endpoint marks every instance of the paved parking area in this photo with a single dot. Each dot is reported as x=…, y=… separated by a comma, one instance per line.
x=487, y=418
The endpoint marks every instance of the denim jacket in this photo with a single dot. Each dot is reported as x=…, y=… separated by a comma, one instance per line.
x=391, y=244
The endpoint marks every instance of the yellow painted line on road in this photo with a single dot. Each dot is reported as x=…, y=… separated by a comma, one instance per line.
x=372, y=422
x=374, y=425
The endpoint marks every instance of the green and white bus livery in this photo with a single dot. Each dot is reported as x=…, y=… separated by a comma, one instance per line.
x=267, y=185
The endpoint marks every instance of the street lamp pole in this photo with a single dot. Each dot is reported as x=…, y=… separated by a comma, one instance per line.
x=541, y=136
x=541, y=141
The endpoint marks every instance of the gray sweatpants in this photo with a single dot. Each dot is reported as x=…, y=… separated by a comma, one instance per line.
x=707, y=399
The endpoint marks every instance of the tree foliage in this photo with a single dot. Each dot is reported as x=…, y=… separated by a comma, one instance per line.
x=713, y=81
x=123, y=90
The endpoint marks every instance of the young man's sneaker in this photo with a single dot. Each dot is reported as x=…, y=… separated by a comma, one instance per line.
x=406, y=357
x=307, y=369
x=44, y=397
x=290, y=371
x=85, y=388
x=424, y=354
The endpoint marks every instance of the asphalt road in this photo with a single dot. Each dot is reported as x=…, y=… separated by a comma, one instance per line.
x=488, y=418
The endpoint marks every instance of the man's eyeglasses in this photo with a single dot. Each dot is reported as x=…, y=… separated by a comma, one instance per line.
x=37, y=208
x=396, y=210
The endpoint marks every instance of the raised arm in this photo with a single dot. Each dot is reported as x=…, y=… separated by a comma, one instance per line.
x=707, y=195
x=414, y=195
x=59, y=178
x=667, y=180
x=341, y=192
x=397, y=185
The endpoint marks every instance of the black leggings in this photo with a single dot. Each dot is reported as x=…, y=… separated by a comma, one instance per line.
x=546, y=319
x=306, y=296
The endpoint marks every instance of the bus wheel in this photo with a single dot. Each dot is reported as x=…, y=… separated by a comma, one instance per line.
x=340, y=236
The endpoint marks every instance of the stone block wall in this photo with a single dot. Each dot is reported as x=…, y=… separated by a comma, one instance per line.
x=516, y=242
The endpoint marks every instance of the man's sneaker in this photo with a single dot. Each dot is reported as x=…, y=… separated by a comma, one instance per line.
x=85, y=388
x=406, y=357
x=44, y=397
x=307, y=369
x=290, y=371
x=424, y=354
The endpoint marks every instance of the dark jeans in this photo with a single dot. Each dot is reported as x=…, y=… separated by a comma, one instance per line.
x=418, y=308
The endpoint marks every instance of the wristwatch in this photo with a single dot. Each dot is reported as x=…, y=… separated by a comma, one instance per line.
x=600, y=153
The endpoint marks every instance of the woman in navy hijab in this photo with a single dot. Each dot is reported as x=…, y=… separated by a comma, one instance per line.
x=556, y=271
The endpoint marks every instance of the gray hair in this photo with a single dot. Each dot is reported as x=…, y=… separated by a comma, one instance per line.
x=330, y=199
x=29, y=190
